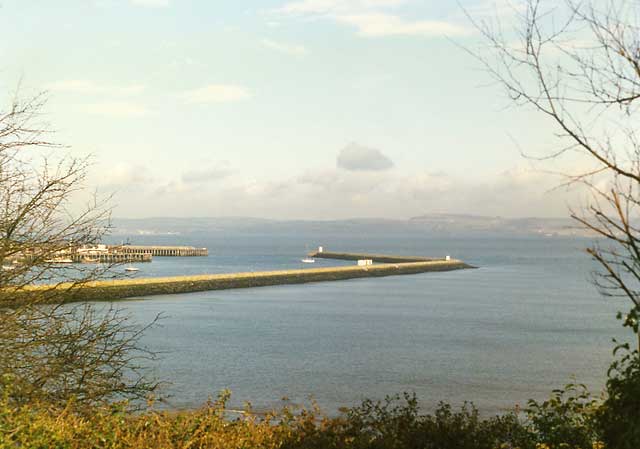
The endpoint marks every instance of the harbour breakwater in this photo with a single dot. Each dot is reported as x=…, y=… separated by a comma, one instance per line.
x=378, y=258
x=131, y=288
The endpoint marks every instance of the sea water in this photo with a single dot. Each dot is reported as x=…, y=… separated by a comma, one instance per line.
x=526, y=321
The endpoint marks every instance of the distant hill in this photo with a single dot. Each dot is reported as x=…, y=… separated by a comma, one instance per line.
x=479, y=223
x=191, y=225
x=430, y=223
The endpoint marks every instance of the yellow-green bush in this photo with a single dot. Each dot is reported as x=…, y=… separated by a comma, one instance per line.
x=39, y=426
x=570, y=419
x=391, y=424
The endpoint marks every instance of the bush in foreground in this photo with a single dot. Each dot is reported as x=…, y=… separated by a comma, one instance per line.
x=619, y=417
x=396, y=423
x=570, y=419
x=40, y=426
x=390, y=424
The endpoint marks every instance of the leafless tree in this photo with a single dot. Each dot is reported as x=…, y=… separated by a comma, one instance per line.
x=578, y=64
x=50, y=349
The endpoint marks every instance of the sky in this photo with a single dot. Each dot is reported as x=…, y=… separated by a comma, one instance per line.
x=285, y=109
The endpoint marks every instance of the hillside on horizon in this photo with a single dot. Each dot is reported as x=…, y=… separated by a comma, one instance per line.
x=433, y=223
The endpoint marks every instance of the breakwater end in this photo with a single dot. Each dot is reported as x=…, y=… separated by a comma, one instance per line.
x=130, y=288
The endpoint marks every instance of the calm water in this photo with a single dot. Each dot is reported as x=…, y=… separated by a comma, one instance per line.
x=522, y=324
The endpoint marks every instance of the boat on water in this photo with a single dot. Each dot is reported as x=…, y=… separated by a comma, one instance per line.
x=307, y=259
x=131, y=268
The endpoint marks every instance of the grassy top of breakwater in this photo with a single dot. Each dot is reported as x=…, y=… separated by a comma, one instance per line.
x=380, y=258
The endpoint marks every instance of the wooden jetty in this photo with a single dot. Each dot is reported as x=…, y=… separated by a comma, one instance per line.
x=110, y=257
x=162, y=251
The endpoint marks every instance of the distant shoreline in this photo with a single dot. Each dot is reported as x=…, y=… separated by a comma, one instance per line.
x=435, y=224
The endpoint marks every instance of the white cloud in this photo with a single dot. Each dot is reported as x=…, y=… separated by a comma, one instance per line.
x=122, y=176
x=377, y=24
x=151, y=3
x=336, y=193
x=336, y=6
x=356, y=157
x=503, y=10
x=88, y=87
x=367, y=188
x=372, y=18
x=216, y=93
x=290, y=49
x=209, y=172
x=117, y=109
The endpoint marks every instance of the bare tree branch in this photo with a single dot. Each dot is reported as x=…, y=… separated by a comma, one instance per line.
x=50, y=350
x=584, y=76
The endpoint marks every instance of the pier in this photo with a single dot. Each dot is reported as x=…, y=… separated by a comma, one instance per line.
x=162, y=251
x=110, y=257
x=131, y=288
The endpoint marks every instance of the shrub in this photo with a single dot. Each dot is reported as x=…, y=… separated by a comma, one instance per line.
x=619, y=417
x=569, y=420
x=396, y=423
x=43, y=426
x=566, y=420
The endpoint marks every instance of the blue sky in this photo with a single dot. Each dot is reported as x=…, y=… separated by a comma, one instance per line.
x=280, y=109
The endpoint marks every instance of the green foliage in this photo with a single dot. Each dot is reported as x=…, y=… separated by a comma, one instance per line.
x=563, y=422
x=570, y=419
x=566, y=420
x=44, y=426
x=631, y=319
x=619, y=417
x=395, y=423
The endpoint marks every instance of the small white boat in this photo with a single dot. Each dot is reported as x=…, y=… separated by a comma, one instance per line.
x=308, y=260
x=131, y=269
